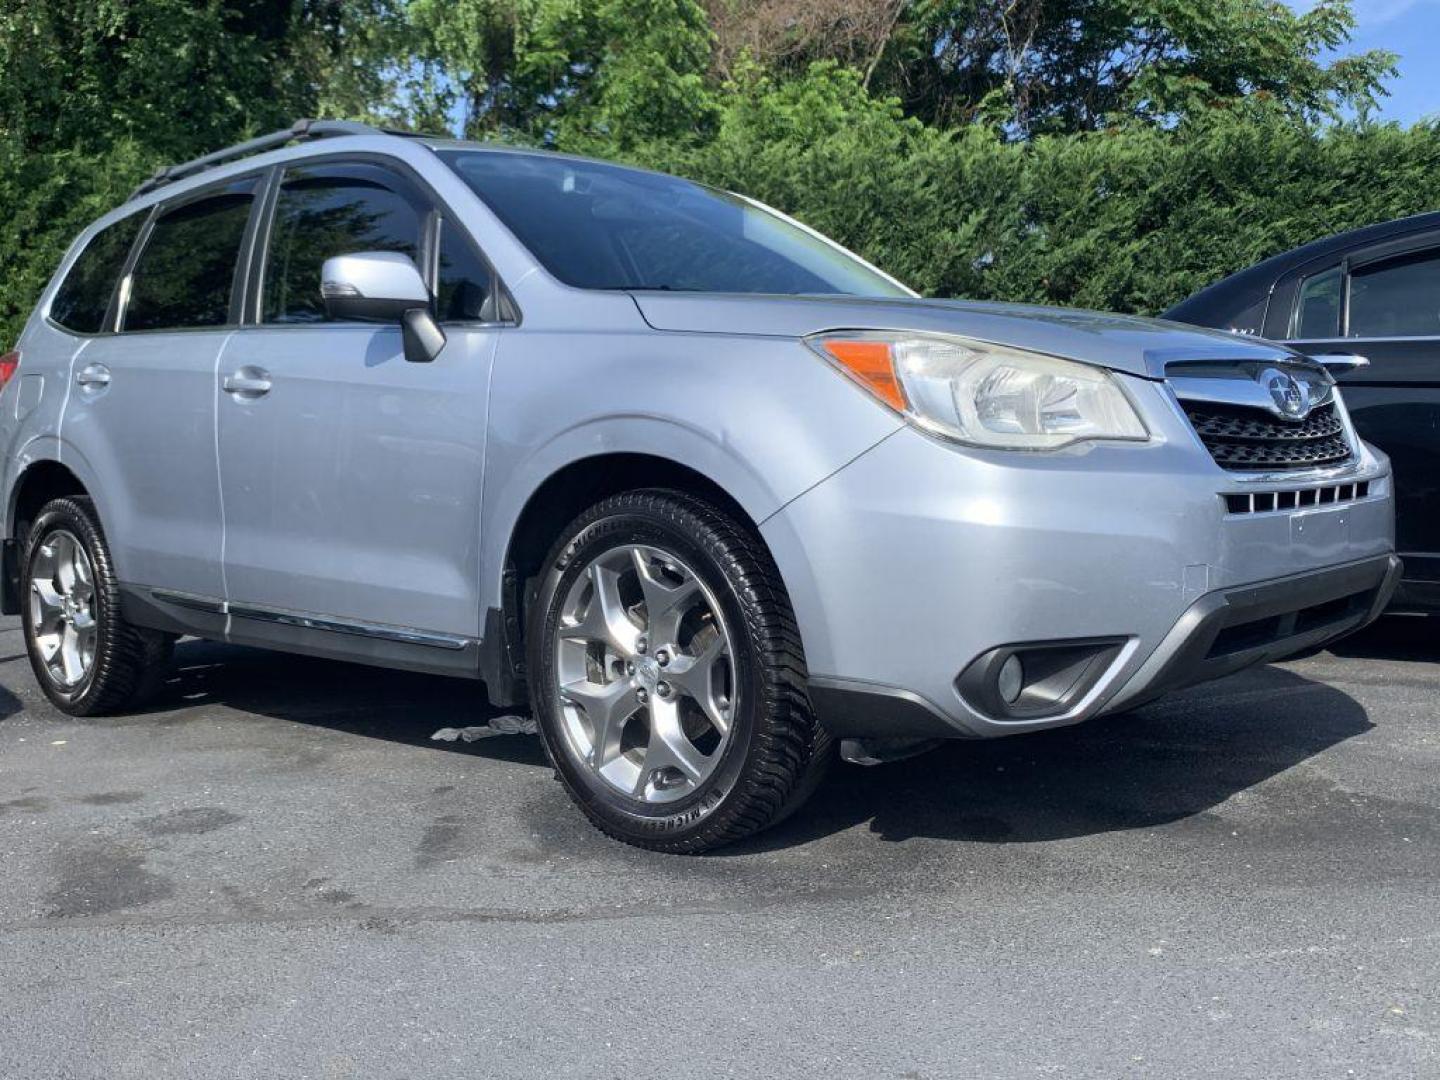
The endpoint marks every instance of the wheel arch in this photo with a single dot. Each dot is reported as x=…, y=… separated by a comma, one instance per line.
x=37, y=483
x=566, y=493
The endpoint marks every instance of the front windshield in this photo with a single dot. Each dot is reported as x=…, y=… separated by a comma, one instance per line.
x=599, y=226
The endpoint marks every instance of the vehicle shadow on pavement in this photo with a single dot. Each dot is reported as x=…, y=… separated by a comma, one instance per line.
x=1395, y=637
x=9, y=704
x=376, y=703
x=1171, y=760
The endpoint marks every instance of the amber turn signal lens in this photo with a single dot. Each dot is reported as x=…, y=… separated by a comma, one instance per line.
x=869, y=363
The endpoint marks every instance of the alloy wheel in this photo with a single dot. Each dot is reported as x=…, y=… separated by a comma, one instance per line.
x=645, y=671
x=62, y=608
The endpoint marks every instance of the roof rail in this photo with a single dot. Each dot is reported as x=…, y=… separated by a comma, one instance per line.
x=301, y=129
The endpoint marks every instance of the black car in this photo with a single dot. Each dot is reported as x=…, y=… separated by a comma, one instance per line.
x=1374, y=292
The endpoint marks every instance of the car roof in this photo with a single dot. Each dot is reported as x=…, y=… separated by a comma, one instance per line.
x=1254, y=282
x=308, y=139
x=1367, y=234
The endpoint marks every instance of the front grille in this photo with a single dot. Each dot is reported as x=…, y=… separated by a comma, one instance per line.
x=1239, y=437
x=1268, y=502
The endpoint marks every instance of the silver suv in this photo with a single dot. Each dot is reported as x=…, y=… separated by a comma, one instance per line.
x=704, y=491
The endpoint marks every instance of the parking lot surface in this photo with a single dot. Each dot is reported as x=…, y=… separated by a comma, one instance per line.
x=277, y=873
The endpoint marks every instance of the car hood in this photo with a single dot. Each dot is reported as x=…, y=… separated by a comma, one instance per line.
x=1121, y=342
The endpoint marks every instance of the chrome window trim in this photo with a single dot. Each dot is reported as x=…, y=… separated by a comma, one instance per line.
x=1353, y=340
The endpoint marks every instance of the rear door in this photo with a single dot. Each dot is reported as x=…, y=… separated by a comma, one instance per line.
x=351, y=477
x=141, y=410
x=1383, y=302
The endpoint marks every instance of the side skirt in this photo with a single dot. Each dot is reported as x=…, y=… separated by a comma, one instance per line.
x=399, y=647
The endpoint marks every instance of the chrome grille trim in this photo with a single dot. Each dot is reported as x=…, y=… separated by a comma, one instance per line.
x=1235, y=412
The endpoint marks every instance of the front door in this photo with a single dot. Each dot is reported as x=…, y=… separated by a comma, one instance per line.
x=351, y=478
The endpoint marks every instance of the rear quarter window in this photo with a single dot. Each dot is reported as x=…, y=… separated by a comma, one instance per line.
x=1317, y=307
x=84, y=296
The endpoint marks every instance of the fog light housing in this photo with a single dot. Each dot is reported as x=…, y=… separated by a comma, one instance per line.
x=1038, y=679
x=1011, y=679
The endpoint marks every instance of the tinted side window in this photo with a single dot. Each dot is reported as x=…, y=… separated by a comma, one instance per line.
x=463, y=283
x=83, y=297
x=1249, y=318
x=1397, y=298
x=1317, y=310
x=321, y=213
x=184, y=275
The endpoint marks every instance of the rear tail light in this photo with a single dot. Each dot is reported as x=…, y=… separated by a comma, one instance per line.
x=8, y=365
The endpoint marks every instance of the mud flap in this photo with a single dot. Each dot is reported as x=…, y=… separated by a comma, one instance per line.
x=10, y=578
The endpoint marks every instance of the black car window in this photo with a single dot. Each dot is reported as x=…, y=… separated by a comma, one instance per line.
x=463, y=282
x=327, y=211
x=1396, y=298
x=1248, y=319
x=1317, y=308
x=84, y=296
x=184, y=275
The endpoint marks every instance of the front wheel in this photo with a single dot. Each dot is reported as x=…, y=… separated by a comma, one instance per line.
x=668, y=675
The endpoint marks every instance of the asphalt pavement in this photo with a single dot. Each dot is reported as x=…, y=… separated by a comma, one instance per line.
x=276, y=873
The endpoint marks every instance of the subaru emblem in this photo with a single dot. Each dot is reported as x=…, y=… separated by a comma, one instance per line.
x=1291, y=396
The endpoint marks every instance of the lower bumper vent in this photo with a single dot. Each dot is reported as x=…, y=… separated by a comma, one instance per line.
x=1267, y=502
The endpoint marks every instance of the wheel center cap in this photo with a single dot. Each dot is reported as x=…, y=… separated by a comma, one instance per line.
x=647, y=672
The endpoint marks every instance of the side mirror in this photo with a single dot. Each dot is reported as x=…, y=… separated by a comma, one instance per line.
x=383, y=286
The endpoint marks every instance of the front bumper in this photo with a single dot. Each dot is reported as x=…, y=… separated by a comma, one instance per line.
x=1221, y=633
x=918, y=560
x=1231, y=629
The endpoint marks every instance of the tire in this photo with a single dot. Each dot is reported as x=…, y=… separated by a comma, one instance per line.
x=89, y=661
x=737, y=741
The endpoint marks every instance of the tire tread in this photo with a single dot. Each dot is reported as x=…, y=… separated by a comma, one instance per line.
x=791, y=750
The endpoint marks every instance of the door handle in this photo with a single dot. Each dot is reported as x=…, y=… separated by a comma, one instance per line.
x=248, y=382
x=93, y=375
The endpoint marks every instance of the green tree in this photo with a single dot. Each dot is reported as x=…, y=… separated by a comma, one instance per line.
x=1110, y=153
x=602, y=74
x=1037, y=66
x=97, y=94
x=1129, y=219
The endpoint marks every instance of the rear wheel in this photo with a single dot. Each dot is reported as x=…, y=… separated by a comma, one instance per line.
x=668, y=675
x=87, y=659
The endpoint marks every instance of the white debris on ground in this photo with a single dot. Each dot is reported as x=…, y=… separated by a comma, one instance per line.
x=498, y=725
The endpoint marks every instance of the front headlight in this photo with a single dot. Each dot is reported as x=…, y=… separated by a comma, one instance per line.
x=982, y=394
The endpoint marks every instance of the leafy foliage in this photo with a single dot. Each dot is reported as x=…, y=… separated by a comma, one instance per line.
x=97, y=94
x=1131, y=219
x=1108, y=153
x=1078, y=65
